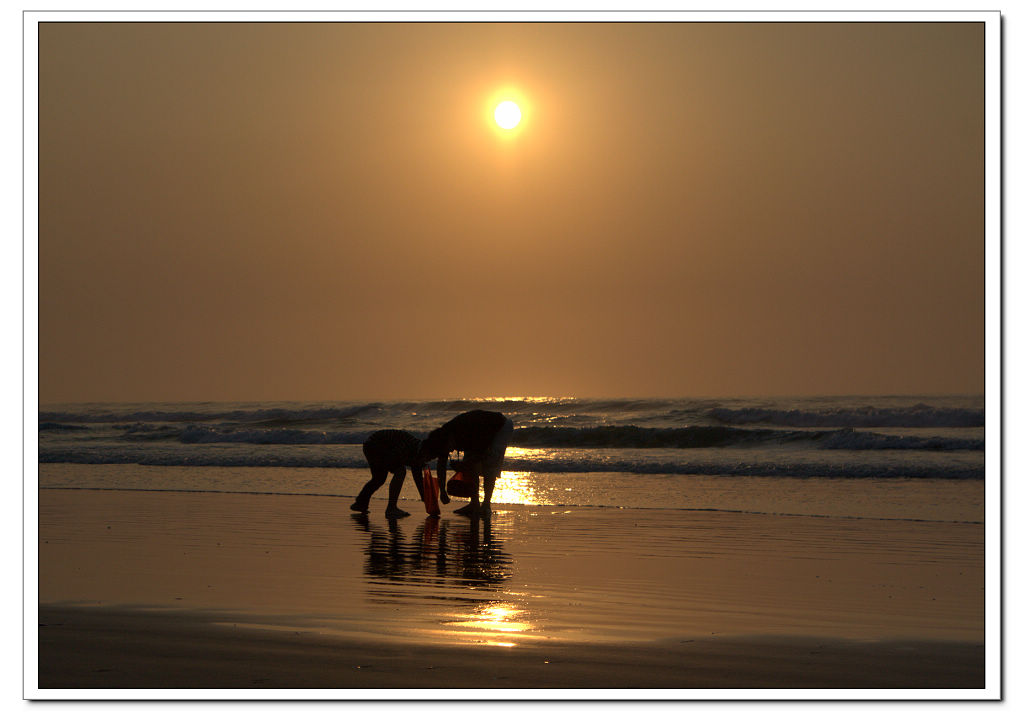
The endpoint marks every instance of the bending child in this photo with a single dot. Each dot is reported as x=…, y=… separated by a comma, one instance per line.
x=390, y=451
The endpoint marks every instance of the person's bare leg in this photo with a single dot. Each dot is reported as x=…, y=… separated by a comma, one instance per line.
x=377, y=477
x=392, y=511
x=488, y=490
x=473, y=507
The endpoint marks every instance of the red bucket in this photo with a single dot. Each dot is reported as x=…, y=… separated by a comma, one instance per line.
x=461, y=487
x=430, y=491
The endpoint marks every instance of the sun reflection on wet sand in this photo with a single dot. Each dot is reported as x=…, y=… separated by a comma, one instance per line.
x=450, y=576
x=497, y=624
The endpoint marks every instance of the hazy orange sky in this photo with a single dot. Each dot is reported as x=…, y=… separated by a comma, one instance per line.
x=327, y=211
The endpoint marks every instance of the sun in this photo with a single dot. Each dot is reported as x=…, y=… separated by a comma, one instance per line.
x=507, y=115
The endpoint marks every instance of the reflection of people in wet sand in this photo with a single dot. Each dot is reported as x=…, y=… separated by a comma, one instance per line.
x=436, y=552
x=478, y=556
x=389, y=452
x=482, y=437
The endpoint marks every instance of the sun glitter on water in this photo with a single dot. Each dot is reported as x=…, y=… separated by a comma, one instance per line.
x=516, y=487
x=507, y=115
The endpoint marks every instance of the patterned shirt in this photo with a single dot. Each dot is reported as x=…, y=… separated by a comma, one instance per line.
x=392, y=448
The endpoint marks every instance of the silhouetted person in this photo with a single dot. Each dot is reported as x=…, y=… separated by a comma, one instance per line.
x=482, y=437
x=390, y=451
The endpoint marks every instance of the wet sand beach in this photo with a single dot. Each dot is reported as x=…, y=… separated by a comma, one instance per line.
x=167, y=590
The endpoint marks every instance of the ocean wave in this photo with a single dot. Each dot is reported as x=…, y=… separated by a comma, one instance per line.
x=799, y=470
x=637, y=437
x=710, y=436
x=874, y=412
x=273, y=415
x=286, y=436
x=796, y=469
x=604, y=437
x=850, y=439
x=442, y=410
x=54, y=426
x=918, y=416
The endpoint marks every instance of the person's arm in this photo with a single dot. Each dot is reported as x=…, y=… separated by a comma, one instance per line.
x=438, y=445
x=442, y=469
x=441, y=491
x=417, y=477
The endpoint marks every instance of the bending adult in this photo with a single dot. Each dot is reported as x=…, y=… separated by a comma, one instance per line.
x=482, y=437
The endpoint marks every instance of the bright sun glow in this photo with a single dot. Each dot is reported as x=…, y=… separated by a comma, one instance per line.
x=507, y=115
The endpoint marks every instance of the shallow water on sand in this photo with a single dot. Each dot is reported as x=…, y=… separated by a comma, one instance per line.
x=931, y=499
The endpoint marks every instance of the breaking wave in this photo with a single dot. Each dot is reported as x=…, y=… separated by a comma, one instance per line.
x=919, y=416
x=605, y=437
x=352, y=458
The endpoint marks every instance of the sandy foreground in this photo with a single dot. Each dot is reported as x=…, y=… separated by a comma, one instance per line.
x=161, y=590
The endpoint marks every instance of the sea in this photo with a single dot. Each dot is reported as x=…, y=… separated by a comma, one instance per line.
x=880, y=457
